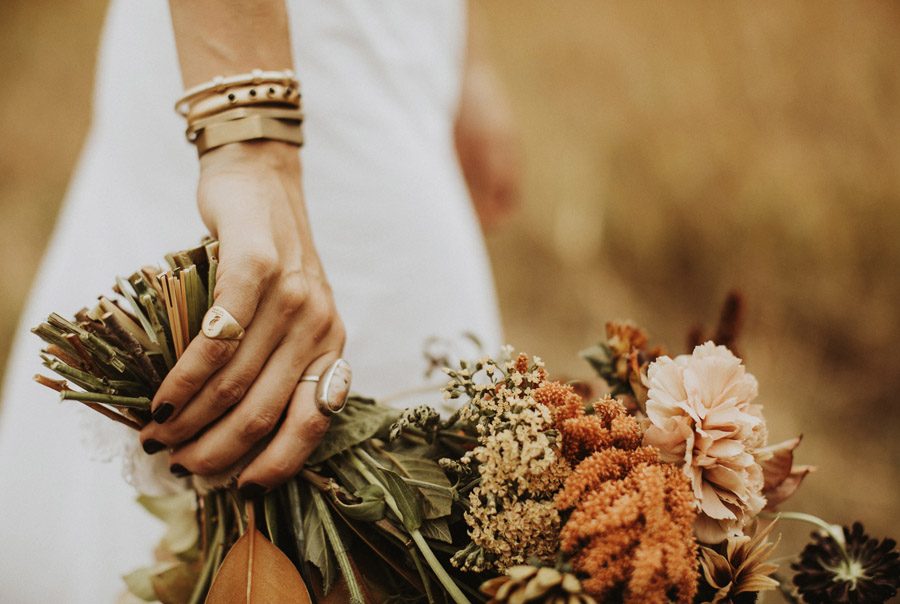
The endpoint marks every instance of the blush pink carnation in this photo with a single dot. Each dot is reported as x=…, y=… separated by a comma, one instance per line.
x=701, y=416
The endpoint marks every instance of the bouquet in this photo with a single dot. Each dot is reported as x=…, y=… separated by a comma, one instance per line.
x=661, y=489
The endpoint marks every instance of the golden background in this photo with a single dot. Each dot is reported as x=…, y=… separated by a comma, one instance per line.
x=673, y=151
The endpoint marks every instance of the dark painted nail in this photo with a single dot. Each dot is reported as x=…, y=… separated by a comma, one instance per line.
x=179, y=470
x=163, y=412
x=153, y=446
x=251, y=490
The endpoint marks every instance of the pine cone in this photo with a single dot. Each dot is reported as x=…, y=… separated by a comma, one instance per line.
x=545, y=585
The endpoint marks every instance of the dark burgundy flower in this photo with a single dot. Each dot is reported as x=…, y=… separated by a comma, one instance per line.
x=865, y=571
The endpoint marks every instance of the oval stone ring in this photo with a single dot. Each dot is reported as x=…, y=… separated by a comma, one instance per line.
x=218, y=324
x=333, y=387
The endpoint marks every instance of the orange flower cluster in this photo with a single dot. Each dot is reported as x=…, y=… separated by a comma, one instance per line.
x=562, y=400
x=632, y=516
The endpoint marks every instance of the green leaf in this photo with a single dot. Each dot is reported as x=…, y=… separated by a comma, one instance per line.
x=358, y=422
x=140, y=583
x=437, y=529
x=178, y=512
x=317, y=551
x=168, y=582
x=404, y=496
x=369, y=509
x=436, y=502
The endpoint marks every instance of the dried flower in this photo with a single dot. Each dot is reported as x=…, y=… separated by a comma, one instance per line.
x=422, y=417
x=781, y=477
x=561, y=399
x=700, y=409
x=609, y=426
x=622, y=359
x=862, y=570
x=523, y=584
x=741, y=573
x=631, y=529
x=511, y=514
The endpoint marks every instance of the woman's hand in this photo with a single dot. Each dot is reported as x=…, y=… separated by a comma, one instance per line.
x=225, y=398
x=485, y=133
x=488, y=147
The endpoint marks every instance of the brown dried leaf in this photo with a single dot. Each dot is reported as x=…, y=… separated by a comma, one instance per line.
x=781, y=477
x=257, y=572
x=174, y=585
x=777, y=461
x=787, y=487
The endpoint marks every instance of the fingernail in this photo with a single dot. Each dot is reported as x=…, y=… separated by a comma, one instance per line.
x=153, y=446
x=163, y=412
x=179, y=470
x=251, y=490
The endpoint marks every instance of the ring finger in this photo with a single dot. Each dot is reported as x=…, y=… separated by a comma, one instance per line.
x=303, y=428
x=251, y=420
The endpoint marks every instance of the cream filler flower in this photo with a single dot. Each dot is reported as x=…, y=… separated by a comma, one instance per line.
x=701, y=415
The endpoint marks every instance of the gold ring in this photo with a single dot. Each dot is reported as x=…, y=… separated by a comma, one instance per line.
x=218, y=324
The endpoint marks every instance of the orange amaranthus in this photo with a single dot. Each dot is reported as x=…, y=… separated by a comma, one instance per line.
x=631, y=516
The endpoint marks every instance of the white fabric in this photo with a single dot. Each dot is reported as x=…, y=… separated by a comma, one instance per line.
x=390, y=216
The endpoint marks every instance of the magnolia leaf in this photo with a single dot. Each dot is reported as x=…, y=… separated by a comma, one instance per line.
x=437, y=529
x=358, y=422
x=178, y=512
x=437, y=502
x=257, y=572
x=176, y=584
x=369, y=509
x=404, y=496
x=316, y=549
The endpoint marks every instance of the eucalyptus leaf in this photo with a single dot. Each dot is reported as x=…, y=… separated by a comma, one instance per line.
x=175, y=584
x=358, y=422
x=140, y=582
x=178, y=512
x=316, y=549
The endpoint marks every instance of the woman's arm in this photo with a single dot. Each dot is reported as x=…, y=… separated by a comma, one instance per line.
x=224, y=399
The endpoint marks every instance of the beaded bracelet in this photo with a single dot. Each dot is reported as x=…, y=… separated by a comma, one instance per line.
x=220, y=84
x=251, y=106
x=242, y=96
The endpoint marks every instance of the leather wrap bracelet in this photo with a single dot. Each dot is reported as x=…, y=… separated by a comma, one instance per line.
x=260, y=105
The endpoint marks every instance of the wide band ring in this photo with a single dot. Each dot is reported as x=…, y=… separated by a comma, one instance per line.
x=218, y=324
x=332, y=387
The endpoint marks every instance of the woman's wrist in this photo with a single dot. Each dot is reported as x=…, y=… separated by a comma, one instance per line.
x=256, y=154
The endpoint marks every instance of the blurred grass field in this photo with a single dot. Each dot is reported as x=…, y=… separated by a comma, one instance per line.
x=673, y=151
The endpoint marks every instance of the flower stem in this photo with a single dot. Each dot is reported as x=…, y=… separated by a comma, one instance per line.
x=832, y=530
x=452, y=589
x=786, y=592
x=129, y=402
x=337, y=545
x=213, y=555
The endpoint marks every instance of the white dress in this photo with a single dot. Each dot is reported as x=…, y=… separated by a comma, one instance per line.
x=390, y=215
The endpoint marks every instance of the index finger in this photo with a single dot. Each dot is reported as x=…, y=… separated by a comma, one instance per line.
x=238, y=291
